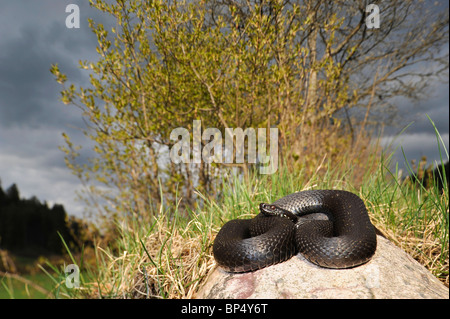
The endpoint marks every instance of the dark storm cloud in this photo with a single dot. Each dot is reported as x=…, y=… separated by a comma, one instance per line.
x=419, y=139
x=28, y=90
x=26, y=85
x=31, y=116
x=437, y=108
x=414, y=113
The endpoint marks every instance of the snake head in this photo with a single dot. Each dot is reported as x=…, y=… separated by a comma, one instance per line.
x=273, y=210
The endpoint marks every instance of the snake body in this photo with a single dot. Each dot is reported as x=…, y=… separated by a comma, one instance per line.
x=330, y=228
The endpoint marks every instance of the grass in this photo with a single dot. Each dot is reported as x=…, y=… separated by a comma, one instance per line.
x=50, y=282
x=37, y=286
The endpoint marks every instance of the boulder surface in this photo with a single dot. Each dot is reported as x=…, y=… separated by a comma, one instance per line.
x=391, y=273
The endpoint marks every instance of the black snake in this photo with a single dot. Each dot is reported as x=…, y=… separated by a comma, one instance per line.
x=330, y=228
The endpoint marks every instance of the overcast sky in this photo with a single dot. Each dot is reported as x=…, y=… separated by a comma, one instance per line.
x=33, y=36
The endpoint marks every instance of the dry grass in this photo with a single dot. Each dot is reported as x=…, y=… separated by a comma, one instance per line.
x=166, y=259
x=174, y=263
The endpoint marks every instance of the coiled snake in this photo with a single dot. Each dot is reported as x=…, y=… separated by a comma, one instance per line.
x=330, y=228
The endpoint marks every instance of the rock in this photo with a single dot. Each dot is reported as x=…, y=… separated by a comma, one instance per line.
x=391, y=273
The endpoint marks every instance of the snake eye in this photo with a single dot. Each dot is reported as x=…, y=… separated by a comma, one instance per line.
x=272, y=207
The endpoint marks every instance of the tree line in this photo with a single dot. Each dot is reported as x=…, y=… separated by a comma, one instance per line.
x=30, y=227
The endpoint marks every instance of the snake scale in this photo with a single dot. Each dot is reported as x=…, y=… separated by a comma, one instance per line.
x=330, y=228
